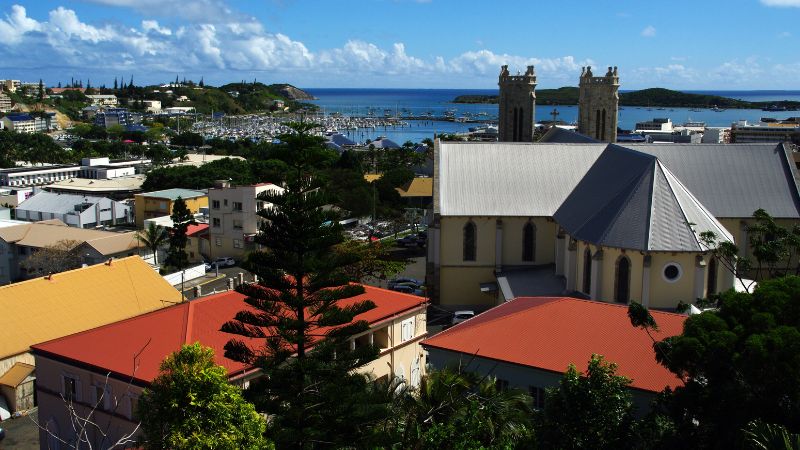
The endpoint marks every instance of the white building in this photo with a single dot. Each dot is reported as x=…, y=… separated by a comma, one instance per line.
x=233, y=217
x=74, y=210
x=5, y=103
x=103, y=99
x=153, y=106
x=21, y=123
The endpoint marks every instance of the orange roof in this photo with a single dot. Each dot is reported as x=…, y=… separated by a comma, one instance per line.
x=550, y=333
x=191, y=230
x=112, y=347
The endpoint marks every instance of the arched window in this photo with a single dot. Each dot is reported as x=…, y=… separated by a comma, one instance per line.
x=597, y=124
x=514, y=125
x=711, y=287
x=603, y=127
x=529, y=242
x=587, y=271
x=521, y=124
x=469, y=241
x=622, y=280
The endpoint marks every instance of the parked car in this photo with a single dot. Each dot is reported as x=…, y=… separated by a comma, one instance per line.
x=209, y=266
x=407, y=241
x=460, y=316
x=401, y=280
x=407, y=289
x=225, y=261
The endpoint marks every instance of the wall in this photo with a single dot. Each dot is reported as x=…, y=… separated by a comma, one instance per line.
x=190, y=273
x=150, y=207
x=398, y=359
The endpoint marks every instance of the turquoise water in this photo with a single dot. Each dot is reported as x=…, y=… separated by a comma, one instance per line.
x=437, y=101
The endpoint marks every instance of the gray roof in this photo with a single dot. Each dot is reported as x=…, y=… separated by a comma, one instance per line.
x=508, y=179
x=733, y=180
x=558, y=135
x=525, y=179
x=56, y=203
x=631, y=200
x=173, y=194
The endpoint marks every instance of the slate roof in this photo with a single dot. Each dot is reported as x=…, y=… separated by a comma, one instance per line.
x=341, y=140
x=631, y=200
x=558, y=135
x=549, y=333
x=385, y=143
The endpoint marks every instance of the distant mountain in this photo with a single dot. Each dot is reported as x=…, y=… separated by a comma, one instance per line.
x=646, y=97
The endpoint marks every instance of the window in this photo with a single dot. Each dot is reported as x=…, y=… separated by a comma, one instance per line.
x=225, y=202
x=237, y=243
x=133, y=406
x=101, y=396
x=215, y=222
x=587, y=271
x=71, y=388
x=622, y=280
x=711, y=286
x=162, y=205
x=237, y=206
x=529, y=242
x=537, y=397
x=502, y=385
x=259, y=206
x=469, y=241
x=218, y=242
x=237, y=224
x=215, y=204
x=407, y=329
x=672, y=272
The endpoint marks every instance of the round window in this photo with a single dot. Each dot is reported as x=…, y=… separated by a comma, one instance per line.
x=672, y=272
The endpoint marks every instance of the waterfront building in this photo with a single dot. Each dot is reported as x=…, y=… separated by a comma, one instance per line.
x=777, y=131
x=517, y=106
x=598, y=105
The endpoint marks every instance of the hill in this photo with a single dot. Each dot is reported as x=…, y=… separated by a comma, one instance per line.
x=644, y=97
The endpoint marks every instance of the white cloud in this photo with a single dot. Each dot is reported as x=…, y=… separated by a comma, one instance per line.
x=782, y=3
x=16, y=24
x=152, y=25
x=649, y=31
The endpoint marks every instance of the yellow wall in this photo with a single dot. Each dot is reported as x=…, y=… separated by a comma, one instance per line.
x=462, y=286
x=149, y=207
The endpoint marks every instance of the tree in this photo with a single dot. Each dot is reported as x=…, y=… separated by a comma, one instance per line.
x=456, y=409
x=201, y=84
x=372, y=261
x=181, y=219
x=153, y=237
x=115, y=132
x=312, y=391
x=58, y=257
x=40, y=93
x=591, y=411
x=741, y=363
x=191, y=405
x=116, y=86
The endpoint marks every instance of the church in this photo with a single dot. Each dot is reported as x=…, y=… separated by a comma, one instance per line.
x=579, y=214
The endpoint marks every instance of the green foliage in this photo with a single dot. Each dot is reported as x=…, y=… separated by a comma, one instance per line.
x=454, y=409
x=177, y=258
x=188, y=139
x=765, y=436
x=34, y=148
x=159, y=154
x=191, y=405
x=372, y=261
x=313, y=393
x=153, y=237
x=191, y=177
x=741, y=363
x=591, y=411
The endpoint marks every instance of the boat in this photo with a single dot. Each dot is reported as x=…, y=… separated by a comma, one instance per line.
x=774, y=108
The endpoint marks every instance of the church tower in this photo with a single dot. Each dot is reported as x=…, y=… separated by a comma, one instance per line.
x=598, y=105
x=517, y=106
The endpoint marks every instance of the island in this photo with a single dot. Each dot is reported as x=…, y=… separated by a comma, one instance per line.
x=654, y=97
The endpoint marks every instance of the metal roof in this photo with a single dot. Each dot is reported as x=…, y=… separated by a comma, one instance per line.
x=733, y=180
x=508, y=179
x=534, y=179
x=173, y=194
x=558, y=135
x=56, y=203
x=629, y=199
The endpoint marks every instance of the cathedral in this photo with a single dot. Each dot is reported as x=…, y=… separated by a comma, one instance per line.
x=578, y=214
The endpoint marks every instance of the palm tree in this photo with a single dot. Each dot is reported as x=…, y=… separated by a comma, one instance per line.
x=153, y=237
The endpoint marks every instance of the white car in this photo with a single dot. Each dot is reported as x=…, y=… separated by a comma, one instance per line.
x=460, y=316
x=225, y=261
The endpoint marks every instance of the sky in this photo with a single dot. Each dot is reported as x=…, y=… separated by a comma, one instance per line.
x=678, y=44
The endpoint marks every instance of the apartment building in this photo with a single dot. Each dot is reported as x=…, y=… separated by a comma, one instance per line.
x=233, y=217
x=5, y=103
x=21, y=123
x=103, y=100
x=160, y=203
x=772, y=131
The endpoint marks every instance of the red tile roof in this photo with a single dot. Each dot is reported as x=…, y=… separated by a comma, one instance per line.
x=191, y=230
x=549, y=333
x=112, y=347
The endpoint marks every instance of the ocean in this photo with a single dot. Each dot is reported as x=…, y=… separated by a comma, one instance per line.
x=419, y=102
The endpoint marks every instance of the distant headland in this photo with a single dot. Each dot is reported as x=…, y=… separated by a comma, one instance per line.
x=655, y=97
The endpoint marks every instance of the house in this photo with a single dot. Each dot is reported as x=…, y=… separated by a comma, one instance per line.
x=19, y=241
x=603, y=221
x=159, y=203
x=153, y=106
x=80, y=211
x=21, y=123
x=51, y=307
x=233, y=217
x=528, y=343
x=76, y=366
x=197, y=247
x=103, y=99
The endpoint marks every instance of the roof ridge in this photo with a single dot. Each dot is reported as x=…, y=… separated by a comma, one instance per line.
x=19, y=283
x=603, y=303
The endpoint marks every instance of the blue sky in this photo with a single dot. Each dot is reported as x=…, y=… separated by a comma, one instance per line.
x=699, y=44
